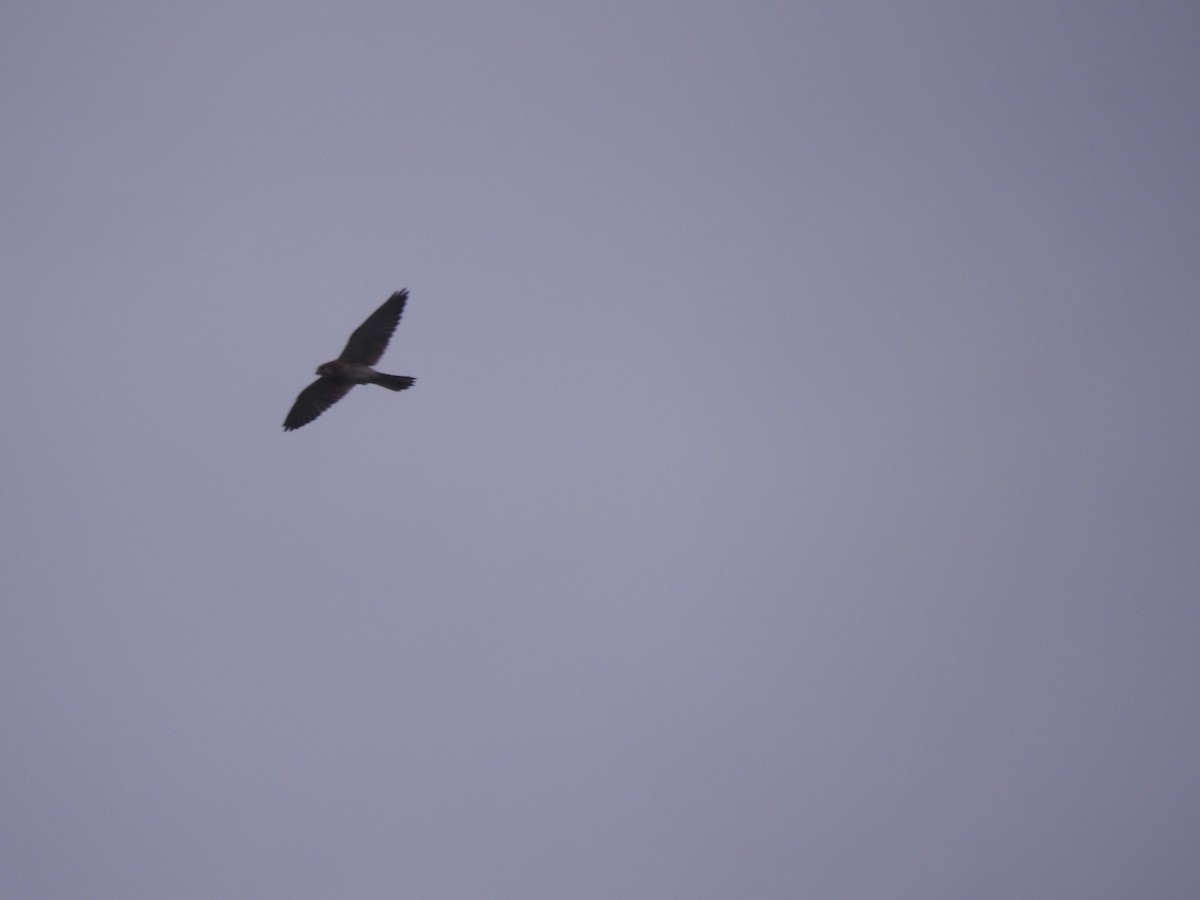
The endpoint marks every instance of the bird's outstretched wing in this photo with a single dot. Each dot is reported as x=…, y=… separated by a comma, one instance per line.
x=371, y=338
x=314, y=400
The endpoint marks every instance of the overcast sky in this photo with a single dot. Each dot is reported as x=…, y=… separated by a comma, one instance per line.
x=799, y=496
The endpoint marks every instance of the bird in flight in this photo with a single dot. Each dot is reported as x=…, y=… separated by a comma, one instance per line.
x=353, y=367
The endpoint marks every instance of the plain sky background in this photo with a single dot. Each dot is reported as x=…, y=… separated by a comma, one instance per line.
x=799, y=497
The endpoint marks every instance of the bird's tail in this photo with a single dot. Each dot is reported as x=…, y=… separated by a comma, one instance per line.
x=393, y=382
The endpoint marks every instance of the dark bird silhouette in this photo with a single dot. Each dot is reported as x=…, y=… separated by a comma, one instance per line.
x=353, y=367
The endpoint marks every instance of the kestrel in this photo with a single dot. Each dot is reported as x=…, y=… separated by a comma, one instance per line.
x=353, y=367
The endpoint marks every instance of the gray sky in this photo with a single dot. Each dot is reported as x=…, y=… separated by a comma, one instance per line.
x=798, y=499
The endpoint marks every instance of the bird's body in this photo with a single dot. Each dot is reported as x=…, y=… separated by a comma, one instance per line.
x=355, y=372
x=354, y=366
